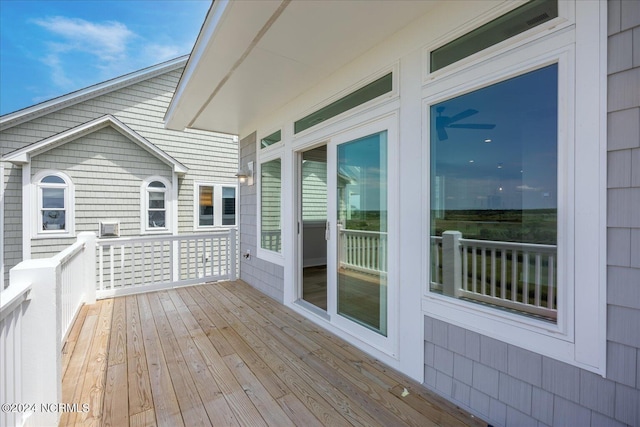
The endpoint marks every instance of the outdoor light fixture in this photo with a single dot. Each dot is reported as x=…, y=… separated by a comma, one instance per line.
x=245, y=176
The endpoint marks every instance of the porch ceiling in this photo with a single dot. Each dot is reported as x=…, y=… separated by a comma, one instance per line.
x=252, y=57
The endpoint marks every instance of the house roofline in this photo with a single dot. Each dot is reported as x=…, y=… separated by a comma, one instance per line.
x=29, y=113
x=23, y=155
x=215, y=15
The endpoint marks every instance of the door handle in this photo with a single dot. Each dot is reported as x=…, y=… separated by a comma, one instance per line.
x=326, y=231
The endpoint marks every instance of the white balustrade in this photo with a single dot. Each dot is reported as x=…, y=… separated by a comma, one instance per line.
x=518, y=276
x=37, y=310
x=363, y=250
x=130, y=265
x=13, y=303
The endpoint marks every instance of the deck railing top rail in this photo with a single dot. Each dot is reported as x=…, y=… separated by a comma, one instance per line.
x=12, y=297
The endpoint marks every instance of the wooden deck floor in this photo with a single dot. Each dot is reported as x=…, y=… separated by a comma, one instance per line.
x=223, y=354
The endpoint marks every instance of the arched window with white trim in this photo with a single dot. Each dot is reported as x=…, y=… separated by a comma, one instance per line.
x=156, y=212
x=54, y=204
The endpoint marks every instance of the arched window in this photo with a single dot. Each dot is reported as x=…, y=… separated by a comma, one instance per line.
x=157, y=212
x=54, y=192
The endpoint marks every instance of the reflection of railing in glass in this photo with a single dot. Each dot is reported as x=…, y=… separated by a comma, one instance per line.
x=516, y=276
x=364, y=251
x=271, y=240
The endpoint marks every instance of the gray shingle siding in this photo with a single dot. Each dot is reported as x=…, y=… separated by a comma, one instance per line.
x=89, y=161
x=535, y=389
x=263, y=275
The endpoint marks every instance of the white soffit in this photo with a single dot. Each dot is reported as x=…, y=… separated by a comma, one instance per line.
x=261, y=55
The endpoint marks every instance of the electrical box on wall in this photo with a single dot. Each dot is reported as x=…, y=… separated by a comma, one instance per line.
x=109, y=229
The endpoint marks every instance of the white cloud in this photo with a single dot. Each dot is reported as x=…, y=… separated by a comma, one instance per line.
x=107, y=41
x=81, y=52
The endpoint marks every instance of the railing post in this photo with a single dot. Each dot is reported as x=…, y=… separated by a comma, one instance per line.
x=451, y=263
x=42, y=331
x=89, y=260
x=233, y=255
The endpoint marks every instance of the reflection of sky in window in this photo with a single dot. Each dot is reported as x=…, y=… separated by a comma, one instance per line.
x=362, y=165
x=52, y=198
x=513, y=165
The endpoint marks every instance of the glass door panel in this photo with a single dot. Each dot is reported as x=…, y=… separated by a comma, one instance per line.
x=362, y=231
x=313, y=220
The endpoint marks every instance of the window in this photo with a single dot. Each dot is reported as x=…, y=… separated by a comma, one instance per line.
x=271, y=139
x=270, y=205
x=228, y=206
x=364, y=94
x=494, y=201
x=215, y=205
x=156, y=214
x=508, y=25
x=517, y=183
x=54, y=204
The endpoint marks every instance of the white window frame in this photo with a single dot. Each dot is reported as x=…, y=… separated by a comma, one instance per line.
x=144, y=206
x=69, y=203
x=579, y=337
x=217, y=205
x=265, y=254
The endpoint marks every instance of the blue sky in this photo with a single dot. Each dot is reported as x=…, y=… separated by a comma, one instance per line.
x=51, y=48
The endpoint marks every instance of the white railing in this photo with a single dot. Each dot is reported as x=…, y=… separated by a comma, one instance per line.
x=13, y=303
x=72, y=293
x=363, y=250
x=140, y=264
x=518, y=276
x=37, y=311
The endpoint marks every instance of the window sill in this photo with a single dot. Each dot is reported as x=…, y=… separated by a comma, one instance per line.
x=54, y=235
x=538, y=336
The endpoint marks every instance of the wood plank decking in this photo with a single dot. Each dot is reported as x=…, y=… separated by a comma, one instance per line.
x=223, y=354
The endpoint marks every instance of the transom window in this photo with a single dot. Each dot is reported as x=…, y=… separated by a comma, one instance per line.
x=215, y=205
x=274, y=138
x=358, y=97
x=517, y=21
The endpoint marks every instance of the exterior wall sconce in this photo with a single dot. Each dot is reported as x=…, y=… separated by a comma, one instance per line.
x=245, y=176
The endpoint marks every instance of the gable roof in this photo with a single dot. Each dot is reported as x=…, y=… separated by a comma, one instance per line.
x=23, y=155
x=55, y=104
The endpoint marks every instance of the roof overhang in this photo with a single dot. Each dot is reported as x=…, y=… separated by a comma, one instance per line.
x=254, y=57
x=24, y=155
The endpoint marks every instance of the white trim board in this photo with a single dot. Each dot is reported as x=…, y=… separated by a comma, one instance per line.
x=13, y=119
x=23, y=155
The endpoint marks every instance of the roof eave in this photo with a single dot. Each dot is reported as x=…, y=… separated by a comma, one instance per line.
x=23, y=156
x=13, y=119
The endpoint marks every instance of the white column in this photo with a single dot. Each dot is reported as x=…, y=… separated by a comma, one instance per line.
x=42, y=331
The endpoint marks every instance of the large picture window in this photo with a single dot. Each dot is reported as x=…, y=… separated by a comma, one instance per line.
x=515, y=145
x=494, y=168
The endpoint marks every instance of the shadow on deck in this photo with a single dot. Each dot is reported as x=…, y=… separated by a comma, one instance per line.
x=223, y=354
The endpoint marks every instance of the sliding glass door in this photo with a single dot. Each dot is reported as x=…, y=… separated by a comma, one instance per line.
x=361, y=193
